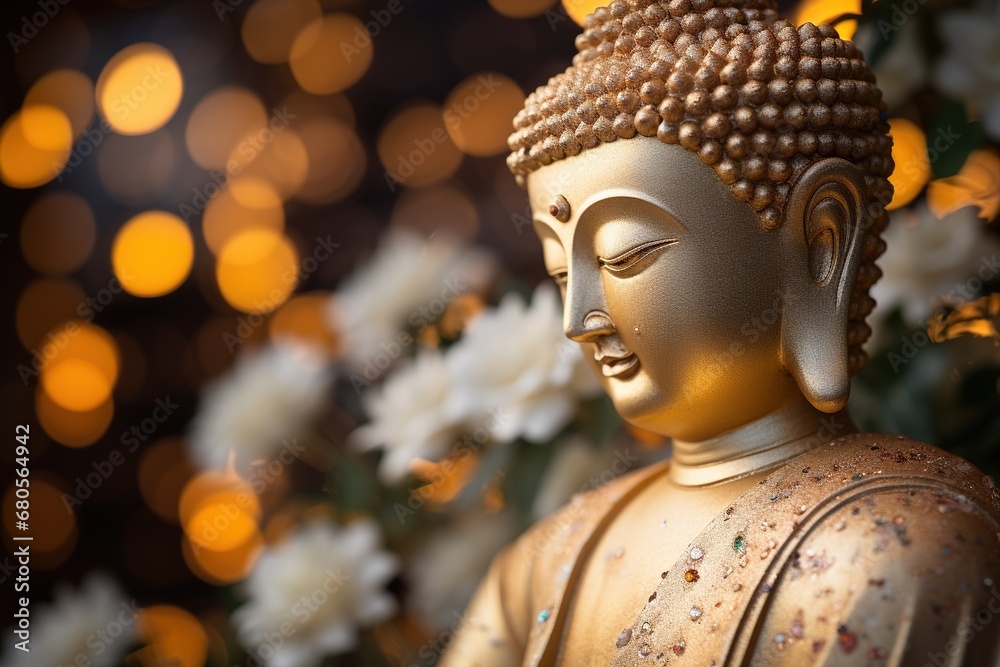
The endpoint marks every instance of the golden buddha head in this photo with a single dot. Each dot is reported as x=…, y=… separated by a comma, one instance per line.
x=709, y=185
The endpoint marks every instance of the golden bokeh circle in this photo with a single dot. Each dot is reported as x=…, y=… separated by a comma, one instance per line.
x=416, y=150
x=71, y=428
x=230, y=119
x=271, y=26
x=437, y=209
x=81, y=365
x=139, y=89
x=337, y=161
x=172, y=637
x=248, y=203
x=257, y=270
x=331, y=54
x=284, y=163
x=819, y=12
x=913, y=167
x=478, y=112
x=305, y=318
x=23, y=164
x=152, y=254
x=579, y=10
x=68, y=90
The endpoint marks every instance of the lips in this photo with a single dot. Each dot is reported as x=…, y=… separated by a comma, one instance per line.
x=618, y=367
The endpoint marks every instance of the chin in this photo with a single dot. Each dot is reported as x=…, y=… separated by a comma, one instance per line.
x=640, y=402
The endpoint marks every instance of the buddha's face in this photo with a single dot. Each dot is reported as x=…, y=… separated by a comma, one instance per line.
x=670, y=284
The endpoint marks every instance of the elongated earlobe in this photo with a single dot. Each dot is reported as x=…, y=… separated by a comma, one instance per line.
x=825, y=220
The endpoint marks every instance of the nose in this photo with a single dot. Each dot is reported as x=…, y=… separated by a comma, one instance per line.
x=582, y=322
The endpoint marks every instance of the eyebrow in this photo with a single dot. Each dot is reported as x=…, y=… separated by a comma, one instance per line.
x=547, y=219
x=647, y=201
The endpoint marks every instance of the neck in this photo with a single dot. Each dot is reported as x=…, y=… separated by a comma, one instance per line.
x=760, y=445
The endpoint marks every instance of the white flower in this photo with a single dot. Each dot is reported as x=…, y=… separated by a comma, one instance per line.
x=903, y=68
x=268, y=398
x=969, y=69
x=314, y=592
x=516, y=360
x=406, y=285
x=411, y=415
x=927, y=259
x=444, y=572
x=95, y=624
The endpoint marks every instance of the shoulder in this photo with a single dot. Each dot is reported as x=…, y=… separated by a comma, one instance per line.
x=535, y=568
x=898, y=566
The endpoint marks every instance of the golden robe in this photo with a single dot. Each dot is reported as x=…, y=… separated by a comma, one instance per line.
x=869, y=550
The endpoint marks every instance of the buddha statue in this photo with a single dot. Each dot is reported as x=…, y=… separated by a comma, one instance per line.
x=709, y=184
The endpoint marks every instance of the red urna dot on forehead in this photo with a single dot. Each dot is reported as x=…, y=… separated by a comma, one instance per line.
x=559, y=209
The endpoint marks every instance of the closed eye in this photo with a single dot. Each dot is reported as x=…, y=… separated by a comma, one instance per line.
x=560, y=277
x=630, y=258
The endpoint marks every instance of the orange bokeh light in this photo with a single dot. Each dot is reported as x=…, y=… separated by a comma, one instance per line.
x=248, y=203
x=226, y=120
x=73, y=428
x=283, y=163
x=172, y=637
x=437, y=209
x=913, y=167
x=23, y=162
x=270, y=27
x=579, y=10
x=818, y=12
x=331, y=54
x=152, y=253
x=139, y=89
x=257, y=270
x=304, y=318
x=218, y=511
x=415, y=148
x=221, y=568
x=68, y=90
x=477, y=113
x=337, y=161
x=83, y=368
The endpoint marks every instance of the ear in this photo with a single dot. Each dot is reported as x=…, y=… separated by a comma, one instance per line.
x=825, y=221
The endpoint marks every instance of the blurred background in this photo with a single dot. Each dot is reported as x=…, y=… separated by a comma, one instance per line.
x=279, y=328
